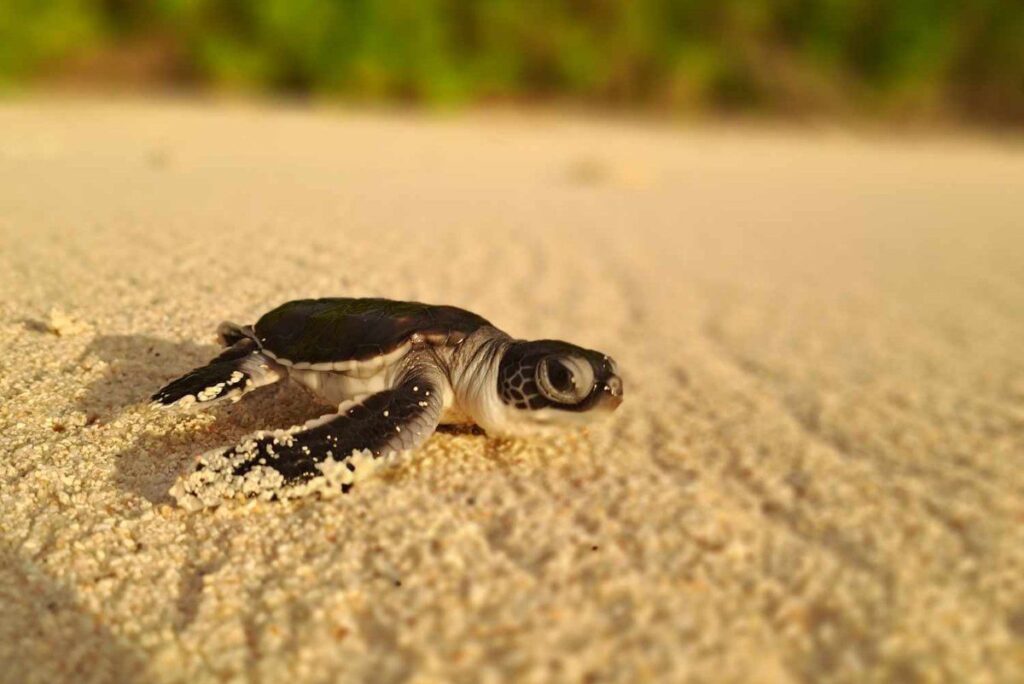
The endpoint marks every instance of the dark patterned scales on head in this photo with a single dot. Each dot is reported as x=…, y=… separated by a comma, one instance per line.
x=317, y=331
x=555, y=374
x=390, y=372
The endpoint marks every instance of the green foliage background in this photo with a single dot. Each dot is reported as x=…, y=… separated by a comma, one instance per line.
x=916, y=57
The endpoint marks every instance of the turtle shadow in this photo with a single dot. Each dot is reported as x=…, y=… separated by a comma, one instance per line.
x=137, y=366
x=468, y=430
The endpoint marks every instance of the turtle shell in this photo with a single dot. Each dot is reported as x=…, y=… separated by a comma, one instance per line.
x=340, y=330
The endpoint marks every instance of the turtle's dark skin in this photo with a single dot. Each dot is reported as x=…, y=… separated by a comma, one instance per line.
x=395, y=370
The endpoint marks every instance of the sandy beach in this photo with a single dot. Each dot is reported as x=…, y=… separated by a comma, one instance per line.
x=817, y=474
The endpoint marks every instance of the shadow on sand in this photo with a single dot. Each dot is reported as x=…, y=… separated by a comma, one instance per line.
x=137, y=366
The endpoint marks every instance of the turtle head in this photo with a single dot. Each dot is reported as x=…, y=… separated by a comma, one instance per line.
x=551, y=382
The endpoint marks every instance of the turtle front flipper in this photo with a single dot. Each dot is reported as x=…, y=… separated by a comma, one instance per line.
x=329, y=453
x=239, y=369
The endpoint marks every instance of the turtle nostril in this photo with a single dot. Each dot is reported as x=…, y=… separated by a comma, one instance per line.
x=614, y=386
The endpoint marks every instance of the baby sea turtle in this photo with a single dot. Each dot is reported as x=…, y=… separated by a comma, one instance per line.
x=395, y=370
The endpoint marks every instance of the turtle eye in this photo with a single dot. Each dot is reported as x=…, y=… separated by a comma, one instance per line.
x=566, y=379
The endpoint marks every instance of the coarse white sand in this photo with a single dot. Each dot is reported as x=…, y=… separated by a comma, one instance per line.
x=817, y=475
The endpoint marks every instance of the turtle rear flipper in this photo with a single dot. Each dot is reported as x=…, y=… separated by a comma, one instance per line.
x=238, y=370
x=230, y=334
x=336, y=447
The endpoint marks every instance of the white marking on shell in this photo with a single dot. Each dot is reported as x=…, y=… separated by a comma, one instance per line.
x=361, y=368
x=445, y=339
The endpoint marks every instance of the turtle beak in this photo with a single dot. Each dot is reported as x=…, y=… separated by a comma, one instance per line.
x=611, y=394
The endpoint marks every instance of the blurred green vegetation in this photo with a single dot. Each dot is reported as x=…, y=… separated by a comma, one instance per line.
x=901, y=57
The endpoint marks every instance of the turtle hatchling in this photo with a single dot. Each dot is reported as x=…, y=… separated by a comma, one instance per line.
x=395, y=371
